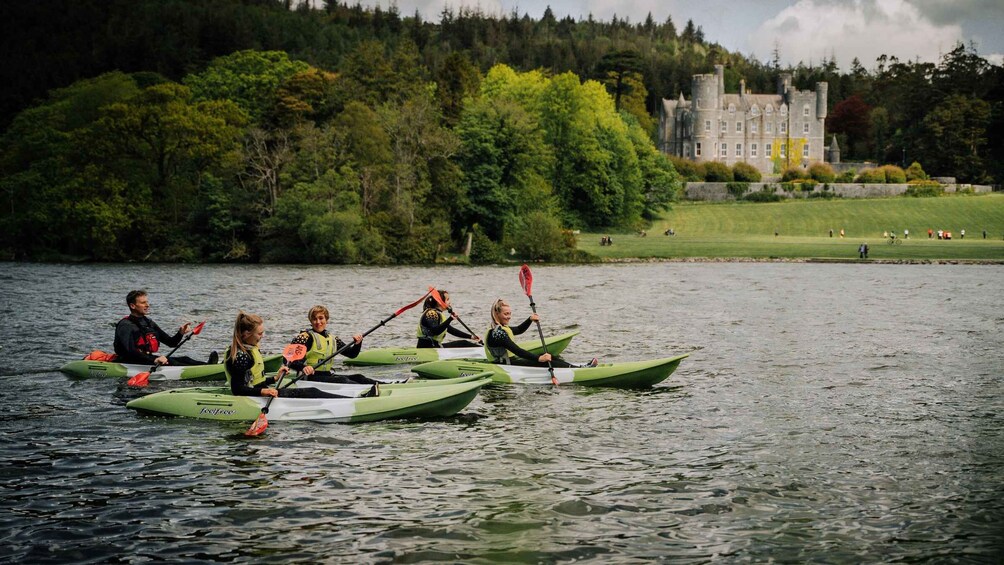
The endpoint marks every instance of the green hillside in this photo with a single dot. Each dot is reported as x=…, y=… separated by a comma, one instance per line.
x=727, y=230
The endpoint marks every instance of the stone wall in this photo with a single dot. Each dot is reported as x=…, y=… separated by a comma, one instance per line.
x=717, y=191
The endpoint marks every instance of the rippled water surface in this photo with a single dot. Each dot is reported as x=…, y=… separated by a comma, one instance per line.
x=827, y=413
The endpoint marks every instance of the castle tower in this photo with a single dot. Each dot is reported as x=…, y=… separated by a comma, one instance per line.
x=821, y=88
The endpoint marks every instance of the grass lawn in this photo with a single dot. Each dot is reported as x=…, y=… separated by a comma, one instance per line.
x=737, y=230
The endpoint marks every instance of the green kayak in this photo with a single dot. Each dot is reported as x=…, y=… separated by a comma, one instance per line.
x=398, y=355
x=633, y=374
x=90, y=369
x=403, y=400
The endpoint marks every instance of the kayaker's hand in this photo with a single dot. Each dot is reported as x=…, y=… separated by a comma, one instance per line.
x=358, y=338
x=535, y=317
x=160, y=360
x=478, y=339
x=546, y=357
x=184, y=329
x=284, y=370
x=270, y=392
x=308, y=370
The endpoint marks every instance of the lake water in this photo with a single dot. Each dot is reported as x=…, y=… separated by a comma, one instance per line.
x=827, y=413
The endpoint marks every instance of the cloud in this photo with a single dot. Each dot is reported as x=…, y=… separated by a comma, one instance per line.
x=811, y=30
x=956, y=11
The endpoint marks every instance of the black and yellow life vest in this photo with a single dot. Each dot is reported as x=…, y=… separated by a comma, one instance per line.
x=498, y=354
x=421, y=331
x=257, y=370
x=322, y=346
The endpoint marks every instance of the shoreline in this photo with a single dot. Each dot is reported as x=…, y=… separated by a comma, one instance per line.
x=801, y=260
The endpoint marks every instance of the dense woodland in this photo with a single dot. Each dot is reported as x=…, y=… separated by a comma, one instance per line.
x=218, y=130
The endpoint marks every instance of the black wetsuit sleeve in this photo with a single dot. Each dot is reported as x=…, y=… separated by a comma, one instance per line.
x=458, y=333
x=499, y=338
x=126, y=336
x=240, y=376
x=522, y=327
x=351, y=352
x=163, y=337
x=305, y=339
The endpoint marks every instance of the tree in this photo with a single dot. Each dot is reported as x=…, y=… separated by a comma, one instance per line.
x=851, y=117
x=251, y=79
x=955, y=137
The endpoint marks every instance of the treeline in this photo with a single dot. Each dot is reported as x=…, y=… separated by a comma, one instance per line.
x=265, y=130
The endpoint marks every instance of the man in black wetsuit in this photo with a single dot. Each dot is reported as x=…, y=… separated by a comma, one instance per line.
x=138, y=338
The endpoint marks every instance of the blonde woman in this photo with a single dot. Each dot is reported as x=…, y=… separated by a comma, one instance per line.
x=501, y=348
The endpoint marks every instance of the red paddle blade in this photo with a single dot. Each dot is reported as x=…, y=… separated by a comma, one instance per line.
x=198, y=329
x=140, y=379
x=526, y=279
x=435, y=296
x=258, y=426
x=554, y=379
x=410, y=306
x=294, y=352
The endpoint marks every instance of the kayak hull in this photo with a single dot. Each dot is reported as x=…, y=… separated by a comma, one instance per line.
x=400, y=355
x=216, y=403
x=105, y=369
x=632, y=374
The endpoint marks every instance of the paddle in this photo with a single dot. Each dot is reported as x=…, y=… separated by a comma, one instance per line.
x=526, y=281
x=442, y=304
x=143, y=379
x=292, y=352
x=369, y=331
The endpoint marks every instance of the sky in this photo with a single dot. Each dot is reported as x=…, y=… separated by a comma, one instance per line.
x=802, y=30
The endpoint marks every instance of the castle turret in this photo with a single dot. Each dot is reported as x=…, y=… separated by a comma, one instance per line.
x=783, y=83
x=834, y=152
x=720, y=73
x=821, y=88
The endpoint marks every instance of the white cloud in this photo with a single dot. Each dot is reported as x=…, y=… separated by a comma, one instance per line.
x=812, y=30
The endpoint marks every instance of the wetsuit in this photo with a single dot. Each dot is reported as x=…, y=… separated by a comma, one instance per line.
x=137, y=340
x=246, y=376
x=320, y=346
x=433, y=327
x=500, y=348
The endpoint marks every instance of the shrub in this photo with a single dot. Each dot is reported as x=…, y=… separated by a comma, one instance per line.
x=871, y=176
x=824, y=195
x=846, y=176
x=538, y=236
x=915, y=172
x=737, y=189
x=483, y=250
x=744, y=172
x=924, y=188
x=763, y=196
x=792, y=173
x=806, y=185
x=689, y=171
x=822, y=172
x=716, y=171
x=893, y=174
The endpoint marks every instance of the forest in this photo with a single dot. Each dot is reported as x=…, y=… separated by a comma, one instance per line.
x=268, y=131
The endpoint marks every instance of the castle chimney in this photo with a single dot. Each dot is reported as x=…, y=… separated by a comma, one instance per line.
x=742, y=87
x=720, y=73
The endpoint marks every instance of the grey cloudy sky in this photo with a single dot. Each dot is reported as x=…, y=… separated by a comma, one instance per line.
x=802, y=30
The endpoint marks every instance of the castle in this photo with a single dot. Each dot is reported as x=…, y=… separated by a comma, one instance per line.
x=772, y=132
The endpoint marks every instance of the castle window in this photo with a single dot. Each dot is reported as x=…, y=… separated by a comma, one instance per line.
x=755, y=110
x=805, y=128
x=754, y=127
x=768, y=127
x=725, y=150
x=784, y=150
x=753, y=150
x=783, y=128
x=784, y=109
x=707, y=126
x=725, y=126
x=769, y=109
x=739, y=127
x=686, y=151
x=739, y=150
x=732, y=108
x=805, y=111
x=697, y=149
x=766, y=151
x=805, y=150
